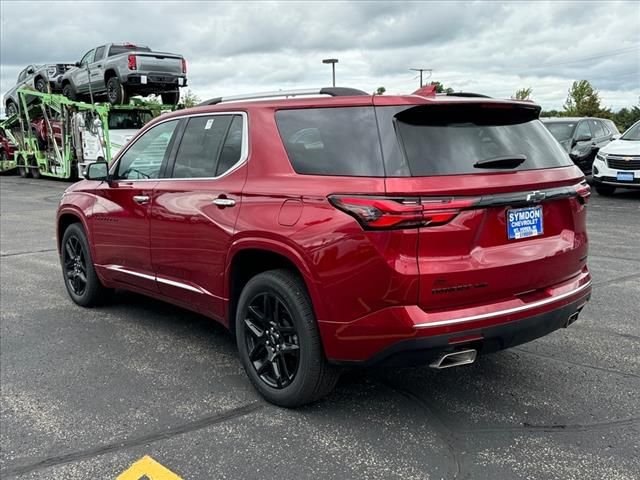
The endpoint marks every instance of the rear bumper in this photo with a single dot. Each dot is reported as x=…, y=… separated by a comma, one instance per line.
x=408, y=335
x=154, y=80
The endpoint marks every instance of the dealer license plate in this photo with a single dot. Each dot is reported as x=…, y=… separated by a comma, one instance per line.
x=624, y=176
x=524, y=222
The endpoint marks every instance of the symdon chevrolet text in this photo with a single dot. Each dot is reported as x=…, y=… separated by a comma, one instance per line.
x=335, y=228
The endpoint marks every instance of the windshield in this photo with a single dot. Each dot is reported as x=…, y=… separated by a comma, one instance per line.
x=128, y=119
x=633, y=133
x=561, y=130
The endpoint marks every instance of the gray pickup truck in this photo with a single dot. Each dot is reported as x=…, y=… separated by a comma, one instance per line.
x=122, y=70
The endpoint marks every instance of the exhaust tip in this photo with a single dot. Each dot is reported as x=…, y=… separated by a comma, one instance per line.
x=455, y=359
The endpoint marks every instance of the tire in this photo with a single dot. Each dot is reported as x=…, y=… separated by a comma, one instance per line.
x=12, y=109
x=170, y=98
x=116, y=92
x=41, y=85
x=75, y=258
x=282, y=356
x=605, y=190
x=33, y=167
x=23, y=170
x=69, y=92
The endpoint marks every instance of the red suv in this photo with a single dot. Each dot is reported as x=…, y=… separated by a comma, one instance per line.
x=340, y=231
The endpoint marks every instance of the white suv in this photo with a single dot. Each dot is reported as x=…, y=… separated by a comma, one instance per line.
x=618, y=163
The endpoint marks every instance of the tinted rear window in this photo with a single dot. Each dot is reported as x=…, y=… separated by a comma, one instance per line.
x=332, y=141
x=450, y=139
x=118, y=49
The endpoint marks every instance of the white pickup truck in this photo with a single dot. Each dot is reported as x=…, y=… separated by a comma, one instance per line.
x=122, y=70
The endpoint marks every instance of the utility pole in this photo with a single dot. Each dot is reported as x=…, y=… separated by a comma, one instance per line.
x=422, y=70
x=333, y=62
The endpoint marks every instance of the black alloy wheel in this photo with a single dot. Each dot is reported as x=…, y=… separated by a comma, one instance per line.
x=272, y=340
x=75, y=265
x=41, y=85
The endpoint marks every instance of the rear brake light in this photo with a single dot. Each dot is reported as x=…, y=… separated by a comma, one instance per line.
x=131, y=62
x=584, y=191
x=184, y=66
x=375, y=213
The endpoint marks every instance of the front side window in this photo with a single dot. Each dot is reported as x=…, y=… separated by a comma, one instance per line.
x=209, y=146
x=562, y=131
x=144, y=158
x=597, y=128
x=583, y=130
x=87, y=57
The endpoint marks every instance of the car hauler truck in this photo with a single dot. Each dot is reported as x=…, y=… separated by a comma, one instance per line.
x=58, y=137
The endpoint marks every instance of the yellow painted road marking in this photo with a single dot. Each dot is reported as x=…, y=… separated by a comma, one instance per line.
x=147, y=468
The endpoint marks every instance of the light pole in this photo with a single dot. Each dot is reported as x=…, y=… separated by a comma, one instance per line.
x=333, y=62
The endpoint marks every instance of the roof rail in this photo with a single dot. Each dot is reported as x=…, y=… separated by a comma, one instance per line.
x=467, y=94
x=332, y=91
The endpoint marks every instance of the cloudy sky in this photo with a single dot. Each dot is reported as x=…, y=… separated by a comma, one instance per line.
x=238, y=47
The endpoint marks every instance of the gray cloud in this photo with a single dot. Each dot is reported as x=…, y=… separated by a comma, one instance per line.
x=235, y=47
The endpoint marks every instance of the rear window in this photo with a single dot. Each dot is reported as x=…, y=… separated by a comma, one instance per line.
x=332, y=141
x=450, y=139
x=118, y=49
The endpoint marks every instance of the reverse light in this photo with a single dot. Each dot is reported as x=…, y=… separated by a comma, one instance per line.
x=132, y=63
x=375, y=213
x=184, y=66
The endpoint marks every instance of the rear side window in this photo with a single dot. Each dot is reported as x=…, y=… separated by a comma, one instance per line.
x=332, y=141
x=450, y=139
x=99, y=54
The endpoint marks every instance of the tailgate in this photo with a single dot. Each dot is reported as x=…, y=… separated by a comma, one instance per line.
x=503, y=208
x=159, y=63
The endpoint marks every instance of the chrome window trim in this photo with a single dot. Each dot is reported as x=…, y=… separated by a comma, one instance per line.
x=244, y=152
x=155, y=278
x=507, y=311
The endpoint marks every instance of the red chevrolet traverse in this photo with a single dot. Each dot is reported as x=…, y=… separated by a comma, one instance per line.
x=335, y=228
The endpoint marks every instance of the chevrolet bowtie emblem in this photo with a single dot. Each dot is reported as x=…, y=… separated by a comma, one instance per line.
x=627, y=159
x=536, y=196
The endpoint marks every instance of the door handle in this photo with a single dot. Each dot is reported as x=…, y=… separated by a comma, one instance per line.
x=141, y=199
x=224, y=202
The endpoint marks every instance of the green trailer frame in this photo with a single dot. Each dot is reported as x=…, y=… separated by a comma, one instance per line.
x=50, y=158
x=6, y=125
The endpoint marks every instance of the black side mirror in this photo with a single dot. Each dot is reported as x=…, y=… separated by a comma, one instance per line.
x=30, y=71
x=77, y=64
x=97, y=171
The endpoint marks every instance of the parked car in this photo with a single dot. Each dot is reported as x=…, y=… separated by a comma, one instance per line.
x=42, y=78
x=582, y=137
x=7, y=145
x=345, y=231
x=618, y=164
x=119, y=71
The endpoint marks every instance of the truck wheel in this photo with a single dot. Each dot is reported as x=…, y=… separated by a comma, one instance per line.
x=69, y=92
x=23, y=170
x=279, y=342
x=41, y=85
x=83, y=285
x=35, y=169
x=170, y=98
x=12, y=109
x=116, y=92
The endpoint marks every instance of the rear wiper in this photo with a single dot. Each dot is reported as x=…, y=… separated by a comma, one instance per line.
x=504, y=161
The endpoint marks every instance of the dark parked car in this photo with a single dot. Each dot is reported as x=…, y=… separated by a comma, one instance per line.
x=345, y=231
x=582, y=137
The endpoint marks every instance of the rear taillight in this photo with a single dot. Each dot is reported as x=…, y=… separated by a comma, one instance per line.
x=584, y=192
x=375, y=213
x=131, y=62
x=184, y=66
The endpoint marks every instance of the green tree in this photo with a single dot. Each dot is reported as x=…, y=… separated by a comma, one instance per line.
x=523, y=94
x=190, y=99
x=380, y=91
x=583, y=101
x=625, y=117
x=441, y=89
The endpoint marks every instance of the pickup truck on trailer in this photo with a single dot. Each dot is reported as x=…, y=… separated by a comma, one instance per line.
x=122, y=70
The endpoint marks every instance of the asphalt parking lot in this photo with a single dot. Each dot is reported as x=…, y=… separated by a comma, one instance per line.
x=86, y=393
